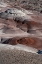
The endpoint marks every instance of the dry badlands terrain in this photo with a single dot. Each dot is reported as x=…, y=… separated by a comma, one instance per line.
x=20, y=28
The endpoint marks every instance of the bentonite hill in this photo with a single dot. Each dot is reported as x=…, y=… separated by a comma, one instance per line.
x=20, y=31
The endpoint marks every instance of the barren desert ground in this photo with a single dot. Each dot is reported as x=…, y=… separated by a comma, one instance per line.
x=21, y=30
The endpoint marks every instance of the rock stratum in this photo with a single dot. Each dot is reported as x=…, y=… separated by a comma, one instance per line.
x=20, y=32
x=20, y=26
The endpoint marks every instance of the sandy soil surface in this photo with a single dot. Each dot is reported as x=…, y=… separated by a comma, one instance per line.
x=19, y=55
